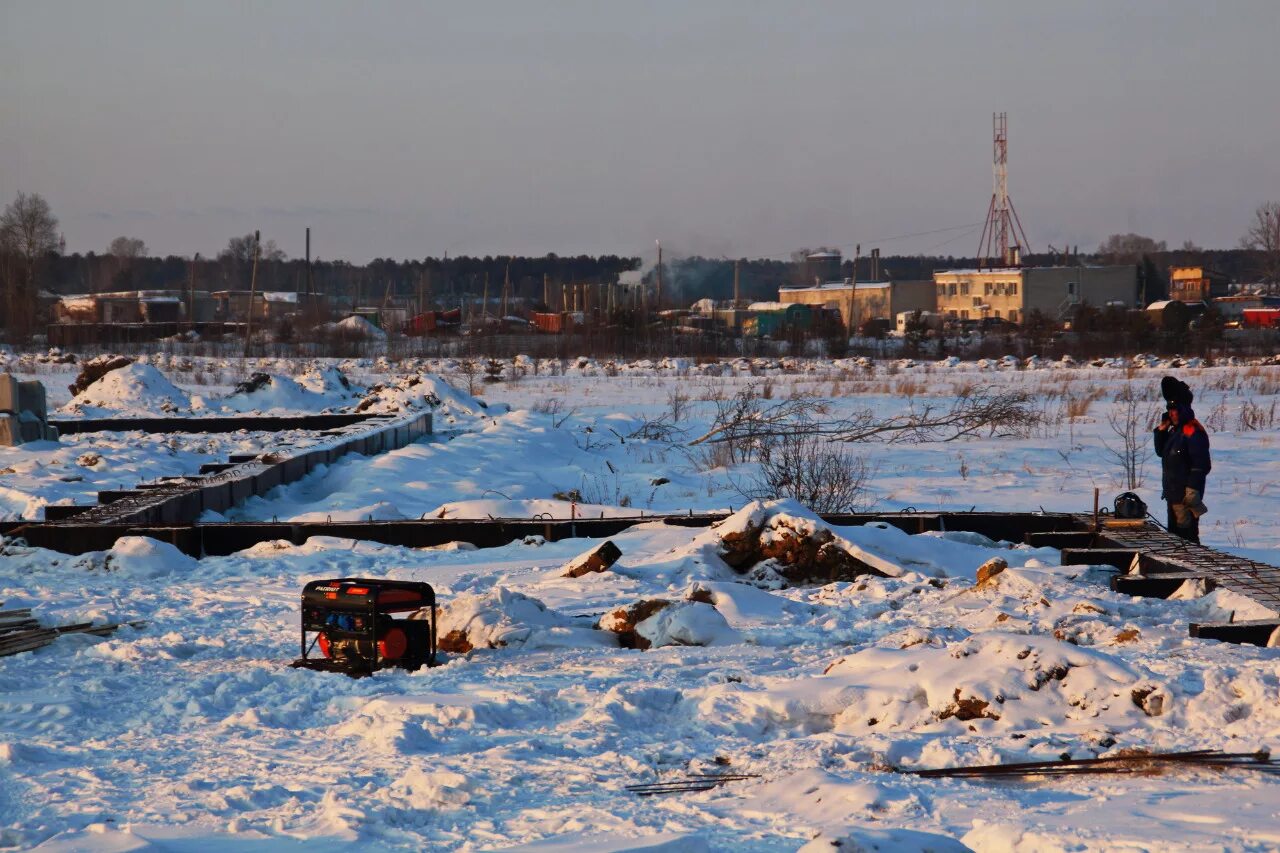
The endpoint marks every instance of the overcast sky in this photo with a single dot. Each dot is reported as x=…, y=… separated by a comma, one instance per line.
x=743, y=129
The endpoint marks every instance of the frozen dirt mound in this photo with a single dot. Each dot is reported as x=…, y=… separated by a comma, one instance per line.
x=657, y=622
x=96, y=368
x=329, y=381
x=505, y=619
x=263, y=393
x=778, y=543
x=1007, y=682
x=134, y=389
x=423, y=391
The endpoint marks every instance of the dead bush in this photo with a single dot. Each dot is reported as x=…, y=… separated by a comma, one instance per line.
x=812, y=470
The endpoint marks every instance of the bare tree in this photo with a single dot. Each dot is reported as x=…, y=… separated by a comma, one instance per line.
x=749, y=426
x=240, y=250
x=1130, y=449
x=28, y=232
x=125, y=252
x=1263, y=237
x=746, y=423
x=129, y=248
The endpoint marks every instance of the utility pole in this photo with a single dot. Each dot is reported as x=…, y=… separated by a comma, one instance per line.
x=546, y=297
x=253, y=289
x=506, y=290
x=737, y=293
x=308, y=267
x=191, y=300
x=310, y=313
x=484, y=307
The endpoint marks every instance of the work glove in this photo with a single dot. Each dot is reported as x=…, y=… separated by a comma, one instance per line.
x=1193, y=501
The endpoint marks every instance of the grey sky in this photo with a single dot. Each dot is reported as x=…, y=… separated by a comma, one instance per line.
x=407, y=129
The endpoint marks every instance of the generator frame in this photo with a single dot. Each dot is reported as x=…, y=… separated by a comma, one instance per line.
x=373, y=600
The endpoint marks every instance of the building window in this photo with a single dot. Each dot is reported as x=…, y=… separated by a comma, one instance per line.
x=952, y=313
x=986, y=288
x=996, y=313
x=951, y=289
x=964, y=288
x=1071, y=288
x=1013, y=288
x=964, y=315
x=942, y=290
x=1013, y=315
x=977, y=301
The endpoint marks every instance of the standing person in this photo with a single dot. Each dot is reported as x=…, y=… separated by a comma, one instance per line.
x=1183, y=446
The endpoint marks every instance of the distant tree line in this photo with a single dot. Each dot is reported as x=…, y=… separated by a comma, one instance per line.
x=33, y=260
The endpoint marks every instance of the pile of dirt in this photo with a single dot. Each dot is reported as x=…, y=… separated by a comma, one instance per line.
x=656, y=622
x=96, y=368
x=256, y=382
x=797, y=549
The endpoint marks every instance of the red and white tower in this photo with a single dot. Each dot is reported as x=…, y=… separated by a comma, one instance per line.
x=1003, y=240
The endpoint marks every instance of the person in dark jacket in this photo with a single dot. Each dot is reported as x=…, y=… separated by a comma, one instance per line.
x=1183, y=446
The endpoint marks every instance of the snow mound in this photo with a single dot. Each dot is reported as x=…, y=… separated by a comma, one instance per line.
x=144, y=557
x=687, y=623
x=329, y=381
x=657, y=622
x=267, y=392
x=135, y=389
x=502, y=618
x=1005, y=682
x=353, y=328
x=421, y=391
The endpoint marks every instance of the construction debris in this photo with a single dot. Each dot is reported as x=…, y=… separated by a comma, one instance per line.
x=598, y=559
x=20, y=632
x=96, y=368
x=687, y=784
x=1136, y=762
x=24, y=412
x=784, y=544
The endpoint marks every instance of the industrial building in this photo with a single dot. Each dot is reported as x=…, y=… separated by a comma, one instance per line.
x=1010, y=293
x=1196, y=284
x=861, y=301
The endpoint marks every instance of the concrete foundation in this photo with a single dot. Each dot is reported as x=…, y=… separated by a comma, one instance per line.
x=24, y=412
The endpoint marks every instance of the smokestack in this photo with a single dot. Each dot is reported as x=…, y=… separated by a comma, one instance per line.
x=658, y=295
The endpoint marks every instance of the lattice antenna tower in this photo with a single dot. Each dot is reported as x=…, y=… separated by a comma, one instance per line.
x=1003, y=241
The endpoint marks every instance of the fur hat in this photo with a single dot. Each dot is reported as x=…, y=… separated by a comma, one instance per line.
x=1176, y=392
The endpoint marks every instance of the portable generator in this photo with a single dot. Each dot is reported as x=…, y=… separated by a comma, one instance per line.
x=351, y=622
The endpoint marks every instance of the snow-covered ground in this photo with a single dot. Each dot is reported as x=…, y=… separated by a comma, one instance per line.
x=190, y=733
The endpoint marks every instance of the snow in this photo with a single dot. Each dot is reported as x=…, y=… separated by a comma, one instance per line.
x=354, y=327
x=136, y=389
x=190, y=732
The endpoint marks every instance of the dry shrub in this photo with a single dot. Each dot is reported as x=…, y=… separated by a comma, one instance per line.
x=1077, y=406
x=823, y=476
